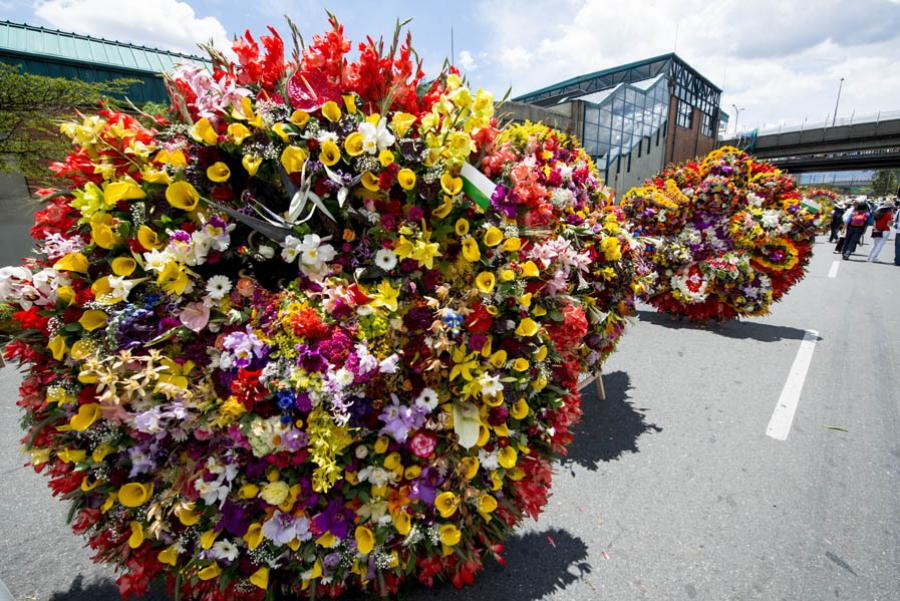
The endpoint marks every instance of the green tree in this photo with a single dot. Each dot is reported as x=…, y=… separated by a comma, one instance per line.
x=885, y=182
x=31, y=110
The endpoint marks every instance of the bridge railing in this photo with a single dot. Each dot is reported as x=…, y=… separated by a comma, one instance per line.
x=853, y=119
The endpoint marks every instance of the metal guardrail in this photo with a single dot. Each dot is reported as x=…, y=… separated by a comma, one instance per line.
x=811, y=125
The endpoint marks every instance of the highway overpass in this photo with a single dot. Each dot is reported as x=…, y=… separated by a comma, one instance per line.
x=873, y=143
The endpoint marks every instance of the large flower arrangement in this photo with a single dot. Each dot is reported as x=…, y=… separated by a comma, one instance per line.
x=821, y=201
x=291, y=339
x=727, y=236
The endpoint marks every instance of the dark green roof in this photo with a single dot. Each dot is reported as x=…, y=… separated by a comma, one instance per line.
x=39, y=42
x=605, y=77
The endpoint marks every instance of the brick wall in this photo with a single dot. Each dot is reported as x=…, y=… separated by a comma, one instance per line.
x=685, y=144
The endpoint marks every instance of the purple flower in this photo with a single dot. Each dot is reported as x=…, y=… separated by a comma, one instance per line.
x=282, y=528
x=424, y=488
x=234, y=519
x=400, y=419
x=335, y=518
x=504, y=201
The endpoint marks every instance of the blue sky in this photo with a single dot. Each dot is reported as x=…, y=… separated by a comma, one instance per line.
x=780, y=61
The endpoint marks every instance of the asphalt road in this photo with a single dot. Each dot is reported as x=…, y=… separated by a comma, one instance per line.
x=672, y=490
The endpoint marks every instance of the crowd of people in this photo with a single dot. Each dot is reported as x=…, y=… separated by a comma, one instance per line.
x=852, y=218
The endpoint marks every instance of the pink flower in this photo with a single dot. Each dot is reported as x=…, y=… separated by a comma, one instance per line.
x=195, y=316
x=422, y=444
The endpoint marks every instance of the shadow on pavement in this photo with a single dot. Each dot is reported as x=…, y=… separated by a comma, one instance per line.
x=101, y=590
x=537, y=565
x=607, y=428
x=734, y=328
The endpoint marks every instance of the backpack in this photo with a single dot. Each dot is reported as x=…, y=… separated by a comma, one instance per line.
x=859, y=219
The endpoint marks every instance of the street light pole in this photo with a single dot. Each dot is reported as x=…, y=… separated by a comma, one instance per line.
x=737, y=116
x=837, y=102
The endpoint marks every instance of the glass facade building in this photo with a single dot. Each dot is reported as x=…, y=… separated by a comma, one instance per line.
x=635, y=118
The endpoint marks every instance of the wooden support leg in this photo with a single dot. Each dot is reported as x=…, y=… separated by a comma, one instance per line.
x=598, y=382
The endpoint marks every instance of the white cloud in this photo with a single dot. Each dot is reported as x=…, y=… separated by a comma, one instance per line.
x=167, y=24
x=779, y=60
x=467, y=61
x=515, y=58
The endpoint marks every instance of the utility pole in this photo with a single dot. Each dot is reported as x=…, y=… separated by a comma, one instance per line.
x=453, y=50
x=737, y=116
x=837, y=102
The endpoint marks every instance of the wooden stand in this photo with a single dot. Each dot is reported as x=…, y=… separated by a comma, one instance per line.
x=597, y=379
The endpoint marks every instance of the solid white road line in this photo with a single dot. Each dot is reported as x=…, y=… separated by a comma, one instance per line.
x=783, y=416
x=832, y=273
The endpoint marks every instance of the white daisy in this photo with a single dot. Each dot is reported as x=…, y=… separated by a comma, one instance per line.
x=224, y=549
x=386, y=259
x=218, y=286
x=427, y=399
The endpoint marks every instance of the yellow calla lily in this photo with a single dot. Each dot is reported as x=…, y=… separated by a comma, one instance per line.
x=251, y=163
x=370, y=182
x=512, y=244
x=520, y=364
x=81, y=349
x=329, y=153
x=470, y=250
x=58, y=347
x=493, y=236
x=92, y=319
x=148, y=238
x=353, y=144
x=527, y=327
x=168, y=556
x=507, y=457
x=406, y=178
x=469, y=467
x=123, y=266
x=238, y=133
x=446, y=503
x=103, y=236
x=86, y=416
x=207, y=539
x=530, y=270
x=76, y=262
x=299, y=118
x=402, y=522
x=66, y=294
x=173, y=158
x=209, y=572
x=187, y=516
x=401, y=122
x=386, y=157
x=134, y=494
x=203, y=131
x=520, y=409
x=218, y=172
x=485, y=282
x=72, y=455
x=331, y=111
x=486, y=503
x=137, y=535
x=365, y=540
x=450, y=184
x=444, y=208
x=449, y=535
x=293, y=158
x=254, y=536
x=182, y=195
x=260, y=578
x=124, y=190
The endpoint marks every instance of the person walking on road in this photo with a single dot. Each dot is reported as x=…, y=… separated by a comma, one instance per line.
x=837, y=221
x=897, y=231
x=882, y=230
x=856, y=221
